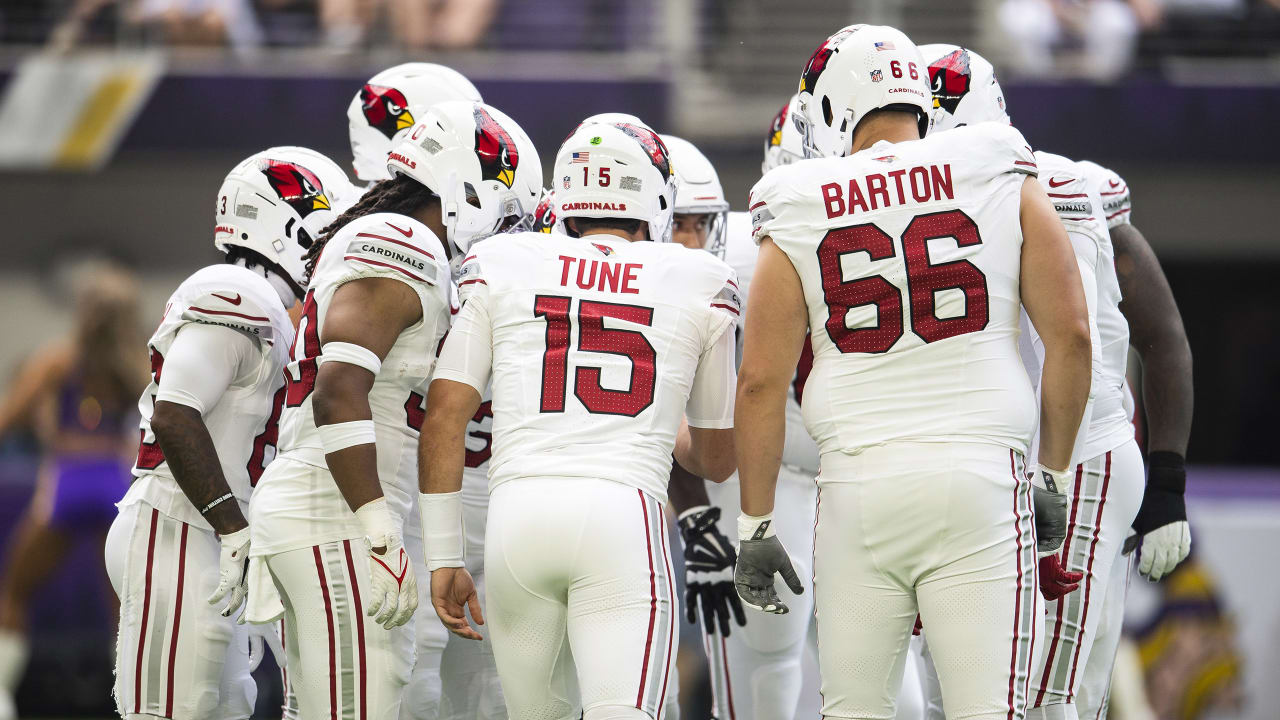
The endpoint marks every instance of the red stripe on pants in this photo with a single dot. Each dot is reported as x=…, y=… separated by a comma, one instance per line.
x=146, y=610
x=1062, y=601
x=1088, y=576
x=653, y=612
x=328, y=616
x=355, y=594
x=177, y=617
x=671, y=629
x=1017, y=600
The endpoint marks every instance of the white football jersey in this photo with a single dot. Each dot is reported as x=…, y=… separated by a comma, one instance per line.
x=910, y=258
x=306, y=507
x=243, y=422
x=799, y=450
x=1105, y=424
x=596, y=348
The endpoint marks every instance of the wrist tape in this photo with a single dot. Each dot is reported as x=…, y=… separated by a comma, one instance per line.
x=1055, y=481
x=443, y=536
x=340, y=436
x=351, y=354
x=751, y=527
x=375, y=520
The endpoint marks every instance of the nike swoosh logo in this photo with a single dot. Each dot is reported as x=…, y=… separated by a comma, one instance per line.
x=233, y=301
x=1113, y=183
x=407, y=233
x=1060, y=183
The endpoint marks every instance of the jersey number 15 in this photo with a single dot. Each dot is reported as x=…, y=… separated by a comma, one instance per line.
x=594, y=337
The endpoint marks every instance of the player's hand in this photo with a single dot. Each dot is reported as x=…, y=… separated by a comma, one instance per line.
x=1161, y=524
x=709, y=559
x=1049, y=495
x=233, y=565
x=1055, y=580
x=760, y=557
x=453, y=593
x=393, y=590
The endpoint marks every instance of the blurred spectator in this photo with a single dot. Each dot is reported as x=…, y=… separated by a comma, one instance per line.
x=413, y=24
x=1106, y=31
x=80, y=391
x=175, y=22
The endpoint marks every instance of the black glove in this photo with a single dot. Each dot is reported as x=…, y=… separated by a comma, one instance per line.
x=1161, y=525
x=709, y=559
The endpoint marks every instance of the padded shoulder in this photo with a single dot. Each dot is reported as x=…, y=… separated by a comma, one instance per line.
x=390, y=245
x=996, y=143
x=231, y=296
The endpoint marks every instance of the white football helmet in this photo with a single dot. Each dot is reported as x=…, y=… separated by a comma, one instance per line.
x=544, y=217
x=391, y=103
x=483, y=167
x=698, y=190
x=859, y=69
x=965, y=89
x=276, y=202
x=620, y=170
x=784, y=144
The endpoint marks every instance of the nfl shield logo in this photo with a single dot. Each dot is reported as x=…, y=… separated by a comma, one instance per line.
x=566, y=182
x=876, y=76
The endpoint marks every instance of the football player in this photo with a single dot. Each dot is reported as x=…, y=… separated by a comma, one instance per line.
x=701, y=207
x=328, y=516
x=1107, y=487
x=627, y=337
x=379, y=117
x=910, y=259
x=178, y=550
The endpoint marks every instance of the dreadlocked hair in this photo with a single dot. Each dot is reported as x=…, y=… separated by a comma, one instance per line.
x=401, y=195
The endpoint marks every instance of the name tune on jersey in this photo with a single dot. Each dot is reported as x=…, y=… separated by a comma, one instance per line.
x=601, y=275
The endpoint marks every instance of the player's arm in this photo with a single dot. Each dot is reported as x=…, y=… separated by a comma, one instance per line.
x=1156, y=332
x=462, y=372
x=352, y=349
x=1054, y=299
x=774, y=337
x=202, y=363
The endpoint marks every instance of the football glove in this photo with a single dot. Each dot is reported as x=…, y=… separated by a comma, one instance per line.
x=233, y=564
x=1161, y=525
x=1049, y=495
x=760, y=557
x=393, y=590
x=1055, y=580
x=709, y=560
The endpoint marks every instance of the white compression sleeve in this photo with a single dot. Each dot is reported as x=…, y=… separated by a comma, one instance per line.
x=202, y=362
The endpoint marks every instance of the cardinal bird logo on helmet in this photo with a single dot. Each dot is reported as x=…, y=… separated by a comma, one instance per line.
x=775, y=127
x=296, y=185
x=386, y=109
x=818, y=61
x=652, y=144
x=495, y=148
x=544, y=217
x=949, y=78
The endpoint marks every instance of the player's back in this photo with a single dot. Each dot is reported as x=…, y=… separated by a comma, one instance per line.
x=242, y=424
x=596, y=342
x=910, y=259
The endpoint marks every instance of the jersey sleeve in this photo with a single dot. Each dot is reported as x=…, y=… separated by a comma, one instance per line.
x=203, y=361
x=728, y=299
x=467, y=356
x=770, y=204
x=382, y=248
x=711, y=397
x=471, y=277
x=231, y=309
x=1117, y=206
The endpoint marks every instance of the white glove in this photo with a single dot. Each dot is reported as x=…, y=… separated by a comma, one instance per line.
x=233, y=563
x=393, y=590
x=1163, y=548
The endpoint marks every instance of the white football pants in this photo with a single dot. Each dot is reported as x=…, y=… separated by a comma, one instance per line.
x=176, y=656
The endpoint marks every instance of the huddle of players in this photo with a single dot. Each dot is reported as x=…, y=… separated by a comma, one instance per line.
x=277, y=469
